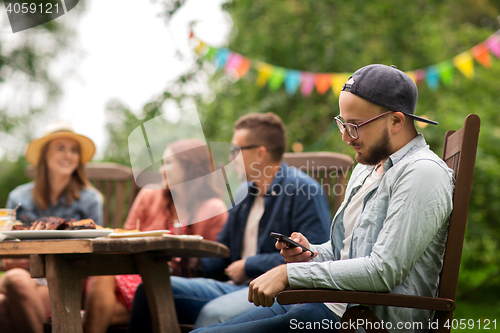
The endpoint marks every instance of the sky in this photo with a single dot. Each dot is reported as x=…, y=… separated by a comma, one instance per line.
x=127, y=52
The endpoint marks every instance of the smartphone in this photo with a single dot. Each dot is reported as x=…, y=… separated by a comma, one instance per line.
x=291, y=243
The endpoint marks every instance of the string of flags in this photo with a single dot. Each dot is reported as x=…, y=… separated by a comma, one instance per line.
x=237, y=66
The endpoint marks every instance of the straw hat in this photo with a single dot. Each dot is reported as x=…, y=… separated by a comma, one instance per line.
x=56, y=130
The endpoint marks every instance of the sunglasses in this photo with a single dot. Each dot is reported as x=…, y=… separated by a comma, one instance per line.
x=234, y=150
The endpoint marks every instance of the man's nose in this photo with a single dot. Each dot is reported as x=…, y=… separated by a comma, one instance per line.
x=346, y=137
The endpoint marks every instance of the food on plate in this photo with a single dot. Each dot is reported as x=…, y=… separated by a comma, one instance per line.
x=56, y=223
x=82, y=224
x=125, y=231
x=99, y=227
x=19, y=226
x=49, y=223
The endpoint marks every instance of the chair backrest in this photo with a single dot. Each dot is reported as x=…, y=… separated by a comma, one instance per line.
x=117, y=185
x=329, y=169
x=459, y=153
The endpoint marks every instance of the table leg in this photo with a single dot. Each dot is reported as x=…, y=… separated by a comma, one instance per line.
x=65, y=294
x=156, y=280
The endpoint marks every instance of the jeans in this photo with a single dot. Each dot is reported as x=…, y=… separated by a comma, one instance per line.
x=312, y=317
x=224, y=308
x=190, y=297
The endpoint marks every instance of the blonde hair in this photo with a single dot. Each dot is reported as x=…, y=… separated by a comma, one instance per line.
x=41, y=191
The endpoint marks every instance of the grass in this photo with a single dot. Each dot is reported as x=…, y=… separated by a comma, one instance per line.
x=477, y=314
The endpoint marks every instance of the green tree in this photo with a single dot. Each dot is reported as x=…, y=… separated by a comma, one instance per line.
x=29, y=89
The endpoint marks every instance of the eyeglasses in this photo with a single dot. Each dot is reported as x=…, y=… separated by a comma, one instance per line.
x=234, y=150
x=353, y=129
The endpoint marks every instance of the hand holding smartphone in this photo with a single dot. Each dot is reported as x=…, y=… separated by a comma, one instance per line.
x=291, y=243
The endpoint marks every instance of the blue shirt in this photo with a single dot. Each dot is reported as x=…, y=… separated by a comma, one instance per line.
x=89, y=206
x=398, y=240
x=293, y=202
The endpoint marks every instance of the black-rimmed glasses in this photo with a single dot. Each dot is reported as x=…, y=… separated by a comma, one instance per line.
x=353, y=129
x=234, y=150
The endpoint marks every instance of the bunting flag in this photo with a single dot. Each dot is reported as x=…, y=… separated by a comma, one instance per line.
x=292, y=81
x=307, y=79
x=323, y=82
x=465, y=64
x=432, y=78
x=237, y=66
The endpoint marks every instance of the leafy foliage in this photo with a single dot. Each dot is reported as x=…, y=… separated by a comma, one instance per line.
x=28, y=89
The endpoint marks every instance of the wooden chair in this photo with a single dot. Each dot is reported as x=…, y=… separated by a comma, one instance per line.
x=459, y=153
x=116, y=183
x=329, y=169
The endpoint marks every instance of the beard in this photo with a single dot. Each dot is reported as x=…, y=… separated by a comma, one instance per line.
x=381, y=150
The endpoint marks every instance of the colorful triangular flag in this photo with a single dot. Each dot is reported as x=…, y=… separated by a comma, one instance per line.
x=323, y=82
x=445, y=72
x=277, y=78
x=221, y=57
x=307, y=86
x=481, y=54
x=338, y=80
x=420, y=74
x=465, y=64
x=412, y=75
x=264, y=73
x=493, y=44
x=292, y=81
x=432, y=78
x=243, y=68
x=233, y=63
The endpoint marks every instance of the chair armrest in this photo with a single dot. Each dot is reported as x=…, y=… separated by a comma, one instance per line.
x=368, y=298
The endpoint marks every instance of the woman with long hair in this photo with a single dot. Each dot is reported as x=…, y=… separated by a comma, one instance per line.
x=188, y=197
x=61, y=189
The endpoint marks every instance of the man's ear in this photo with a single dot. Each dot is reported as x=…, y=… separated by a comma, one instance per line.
x=397, y=122
x=261, y=153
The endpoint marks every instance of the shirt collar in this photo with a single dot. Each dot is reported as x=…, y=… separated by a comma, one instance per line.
x=415, y=144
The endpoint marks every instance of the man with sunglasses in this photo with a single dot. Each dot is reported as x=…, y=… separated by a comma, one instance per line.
x=281, y=199
x=389, y=233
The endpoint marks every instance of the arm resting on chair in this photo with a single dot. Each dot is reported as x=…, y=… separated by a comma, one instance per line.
x=369, y=298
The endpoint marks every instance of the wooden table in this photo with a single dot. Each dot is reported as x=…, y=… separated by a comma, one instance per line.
x=64, y=262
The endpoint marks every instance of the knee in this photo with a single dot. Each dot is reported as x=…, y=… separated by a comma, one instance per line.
x=17, y=282
x=211, y=314
x=102, y=284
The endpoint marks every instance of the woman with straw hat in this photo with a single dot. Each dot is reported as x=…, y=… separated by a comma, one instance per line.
x=60, y=189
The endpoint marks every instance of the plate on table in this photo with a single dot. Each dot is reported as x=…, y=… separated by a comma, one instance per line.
x=184, y=236
x=139, y=234
x=57, y=234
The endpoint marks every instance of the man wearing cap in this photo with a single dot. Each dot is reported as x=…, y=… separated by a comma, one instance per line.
x=389, y=233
